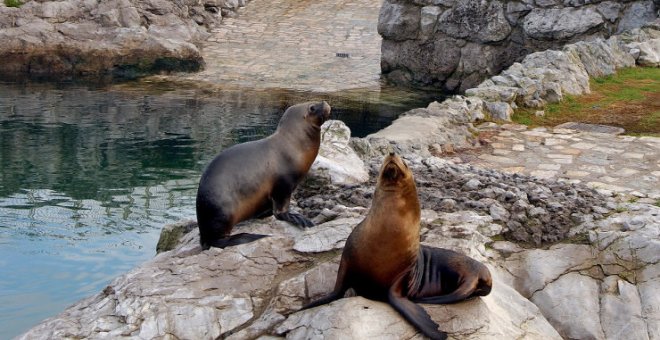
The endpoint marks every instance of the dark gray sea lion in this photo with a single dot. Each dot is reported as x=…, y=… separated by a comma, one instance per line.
x=384, y=260
x=256, y=179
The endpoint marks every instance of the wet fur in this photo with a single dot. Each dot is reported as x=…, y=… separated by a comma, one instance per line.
x=383, y=259
x=256, y=179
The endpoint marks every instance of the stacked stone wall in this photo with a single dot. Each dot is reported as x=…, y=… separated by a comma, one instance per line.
x=454, y=45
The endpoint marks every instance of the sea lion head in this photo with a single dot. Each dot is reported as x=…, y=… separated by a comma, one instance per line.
x=317, y=113
x=394, y=173
x=314, y=113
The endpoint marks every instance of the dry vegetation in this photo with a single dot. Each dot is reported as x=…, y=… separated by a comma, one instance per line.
x=629, y=99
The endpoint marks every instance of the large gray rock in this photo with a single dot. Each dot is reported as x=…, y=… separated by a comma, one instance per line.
x=483, y=21
x=560, y=24
x=571, y=304
x=336, y=160
x=440, y=126
x=601, y=58
x=597, y=289
x=621, y=310
x=649, y=52
x=116, y=38
x=398, y=22
x=637, y=14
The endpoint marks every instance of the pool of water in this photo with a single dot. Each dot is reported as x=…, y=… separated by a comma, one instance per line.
x=89, y=175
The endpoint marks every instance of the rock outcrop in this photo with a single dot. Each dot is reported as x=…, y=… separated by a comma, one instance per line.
x=545, y=77
x=602, y=272
x=454, y=45
x=540, y=78
x=117, y=38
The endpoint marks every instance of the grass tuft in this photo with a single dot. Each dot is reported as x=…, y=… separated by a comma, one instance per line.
x=13, y=3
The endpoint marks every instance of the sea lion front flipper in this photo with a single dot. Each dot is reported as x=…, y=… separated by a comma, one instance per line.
x=235, y=240
x=281, y=207
x=464, y=291
x=341, y=286
x=412, y=312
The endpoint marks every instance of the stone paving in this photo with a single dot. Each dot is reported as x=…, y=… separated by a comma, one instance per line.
x=608, y=163
x=294, y=44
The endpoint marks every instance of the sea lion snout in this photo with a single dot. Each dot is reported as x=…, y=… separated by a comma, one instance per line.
x=394, y=168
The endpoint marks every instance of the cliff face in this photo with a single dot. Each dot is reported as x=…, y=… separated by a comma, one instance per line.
x=118, y=38
x=454, y=45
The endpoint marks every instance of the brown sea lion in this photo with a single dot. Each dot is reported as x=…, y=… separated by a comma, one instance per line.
x=383, y=259
x=256, y=179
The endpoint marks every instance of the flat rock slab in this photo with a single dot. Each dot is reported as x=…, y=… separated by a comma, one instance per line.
x=598, y=128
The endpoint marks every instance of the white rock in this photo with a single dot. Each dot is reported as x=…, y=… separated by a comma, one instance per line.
x=571, y=304
x=325, y=237
x=336, y=158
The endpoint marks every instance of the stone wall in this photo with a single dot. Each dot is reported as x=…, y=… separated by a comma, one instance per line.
x=454, y=45
x=540, y=78
x=124, y=38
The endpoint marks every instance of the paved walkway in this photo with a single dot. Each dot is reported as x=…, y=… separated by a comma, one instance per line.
x=608, y=163
x=294, y=44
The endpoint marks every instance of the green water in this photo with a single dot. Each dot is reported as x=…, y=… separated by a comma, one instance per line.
x=90, y=175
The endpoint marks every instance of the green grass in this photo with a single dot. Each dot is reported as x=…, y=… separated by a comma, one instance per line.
x=629, y=99
x=13, y=3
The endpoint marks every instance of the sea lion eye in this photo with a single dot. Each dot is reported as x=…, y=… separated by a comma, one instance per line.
x=312, y=109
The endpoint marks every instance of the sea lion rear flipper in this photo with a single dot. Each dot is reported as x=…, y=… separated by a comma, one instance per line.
x=464, y=291
x=295, y=219
x=412, y=312
x=235, y=240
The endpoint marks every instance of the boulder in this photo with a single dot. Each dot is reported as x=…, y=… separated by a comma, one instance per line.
x=649, y=52
x=116, y=38
x=637, y=14
x=560, y=24
x=336, y=160
x=440, y=124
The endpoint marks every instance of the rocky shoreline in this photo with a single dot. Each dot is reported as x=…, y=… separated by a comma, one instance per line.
x=89, y=39
x=567, y=261
x=554, y=248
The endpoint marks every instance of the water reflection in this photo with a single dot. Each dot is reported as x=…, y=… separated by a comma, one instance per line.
x=89, y=176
